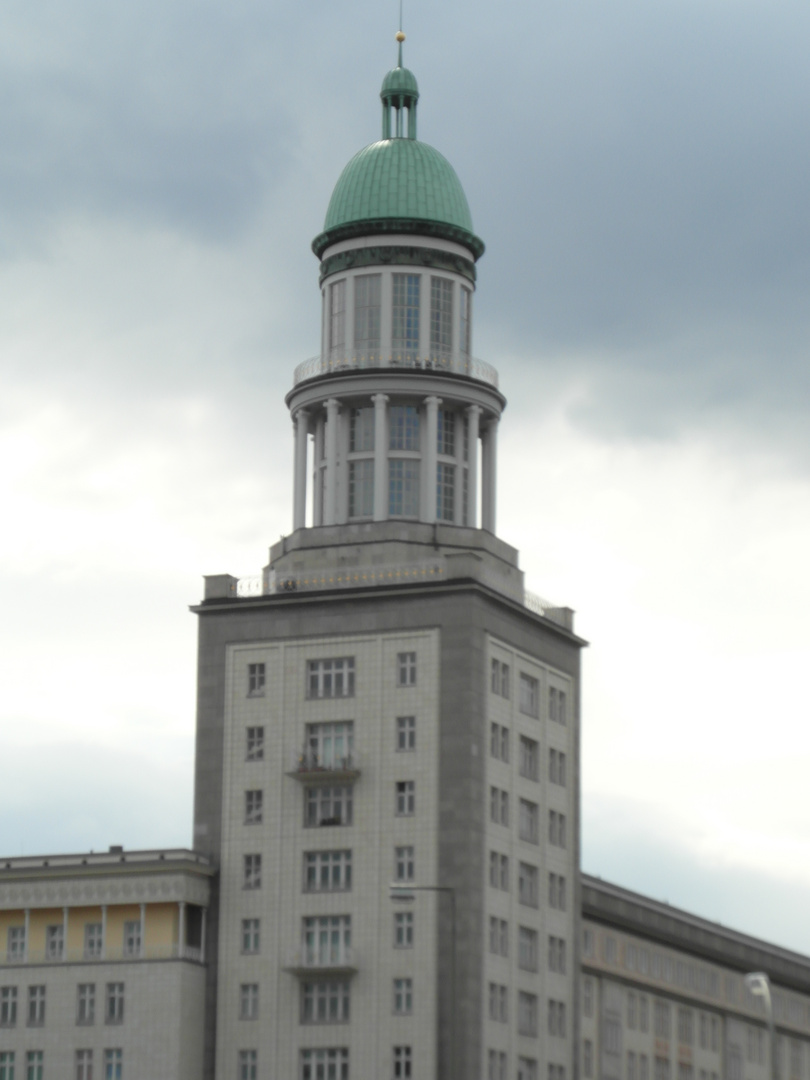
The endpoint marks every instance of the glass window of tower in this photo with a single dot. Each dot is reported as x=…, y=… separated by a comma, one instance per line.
x=465, y=322
x=337, y=316
x=367, y=291
x=403, y=488
x=361, y=488
x=446, y=433
x=405, y=318
x=441, y=316
x=403, y=424
x=445, y=492
x=361, y=430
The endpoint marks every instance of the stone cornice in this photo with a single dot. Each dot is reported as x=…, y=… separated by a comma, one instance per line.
x=397, y=255
x=93, y=890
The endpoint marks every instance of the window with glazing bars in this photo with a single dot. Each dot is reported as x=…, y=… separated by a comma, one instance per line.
x=255, y=744
x=361, y=430
x=367, y=291
x=403, y=427
x=465, y=322
x=330, y=1064
x=361, y=488
x=325, y=1002
x=441, y=316
x=337, y=316
x=327, y=871
x=405, y=317
x=326, y=939
x=330, y=678
x=445, y=492
x=403, y=488
x=406, y=733
x=254, y=807
x=446, y=433
x=328, y=806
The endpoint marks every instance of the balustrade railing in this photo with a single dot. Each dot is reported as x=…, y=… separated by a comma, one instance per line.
x=454, y=363
x=169, y=951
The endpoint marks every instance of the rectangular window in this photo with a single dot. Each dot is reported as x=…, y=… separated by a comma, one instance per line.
x=84, y=1065
x=86, y=1003
x=252, y=871
x=556, y=891
x=643, y=1014
x=662, y=1071
x=527, y=1013
x=499, y=742
x=465, y=322
x=406, y=733
x=367, y=294
x=403, y=427
x=527, y=948
x=325, y=1002
x=529, y=821
x=6, y=1065
x=556, y=705
x=405, y=318
x=556, y=1018
x=445, y=492
x=54, y=942
x=403, y=930
x=496, y=1065
x=16, y=943
x=254, y=801
x=498, y=1003
x=36, y=1006
x=256, y=674
x=643, y=1067
x=529, y=764
x=556, y=767
x=113, y=1064
x=249, y=1001
x=330, y=678
x=327, y=939
x=8, y=1006
x=93, y=940
x=556, y=829
x=556, y=955
x=686, y=1032
x=248, y=1065
x=499, y=871
x=661, y=1019
x=587, y=1059
x=499, y=679
x=329, y=746
x=337, y=316
x=328, y=806
x=587, y=997
x=406, y=669
x=402, y=1063
x=324, y=1064
x=132, y=938
x=441, y=316
x=255, y=744
x=631, y=1010
x=527, y=1069
x=114, y=1003
x=327, y=871
x=250, y=936
x=498, y=936
x=403, y=488
x=361, y=488
x=405, y=798
x=34, y=1064
x=404, y=862
x=446, y=433
x=403, y=997
x=529, y=699
x=632, y=1071
x=498, y=806
x=528, y=892
x=361, y=430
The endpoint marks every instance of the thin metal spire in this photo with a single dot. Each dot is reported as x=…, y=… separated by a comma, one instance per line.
x=400, y=36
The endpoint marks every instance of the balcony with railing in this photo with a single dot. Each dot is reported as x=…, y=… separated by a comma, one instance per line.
x=311, y=768
x=168, y=951
x=308, y=962
x=441, y=363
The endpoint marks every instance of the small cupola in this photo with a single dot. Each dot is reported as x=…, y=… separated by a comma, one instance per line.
x=399, y=95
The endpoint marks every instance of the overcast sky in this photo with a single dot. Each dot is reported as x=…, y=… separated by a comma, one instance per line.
x=640, y=174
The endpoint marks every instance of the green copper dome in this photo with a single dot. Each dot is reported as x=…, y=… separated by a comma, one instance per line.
x=399, y=80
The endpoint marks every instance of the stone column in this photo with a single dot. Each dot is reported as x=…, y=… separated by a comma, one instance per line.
x=181, y=929
x=331, y=437
x=103, y=931
x=27, y=932
x=317, y=480
x=473, y=415
x=429, y=458
x=380, y=457
x=143, y=931
x=300, y=469
x=489, y=480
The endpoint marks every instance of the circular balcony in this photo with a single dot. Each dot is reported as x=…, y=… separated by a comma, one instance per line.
x=449, y=363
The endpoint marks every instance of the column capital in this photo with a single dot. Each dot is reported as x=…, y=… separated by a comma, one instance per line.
x=433, y=400
x=331, y=403
x=474, y=410
x=379, y=398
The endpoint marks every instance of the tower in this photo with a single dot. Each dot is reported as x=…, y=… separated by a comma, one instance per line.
x=387, y=734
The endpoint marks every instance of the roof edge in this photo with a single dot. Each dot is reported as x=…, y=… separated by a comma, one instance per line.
x=414, y=226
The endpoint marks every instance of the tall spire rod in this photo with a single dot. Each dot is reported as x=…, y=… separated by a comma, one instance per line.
x=400, y=36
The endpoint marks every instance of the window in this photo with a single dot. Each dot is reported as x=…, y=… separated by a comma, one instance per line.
x=8, y=1006
x=253, y=807
x=329, y=745
x=643, y=1014
x=587, y=1059
x=248, y=1062
x=588, y=944
x=93, y=940
x=498, y=1002
x=527, y=884
x=612, y=1034
x=556, y=829
x=405, y=318
x=556, y=891
x=328, y=806
x=406, y=669
x=403, y=997
x=337, y=316
x=34, y=1064
x=661, y=1020
x=361, y=430
x=587, y=997
x=406, y=733
x=114, y=1008
x=86, y=1003
x=327, y=871
x=330, y=678
x=498, y=936
x=403, y=930
x=249, y=1001
x=529, y=695
x=445, y=492
x=441, y=316
x=327, y=938
x=529, y=758
x=529, y=821
x=715, y=1027
x=6, y=1065
x=84, y=1065
x=704, y=1031
x=256, y=675
x=556, y=767
x=54, y=942
x=685, y=1072
x=367, y=293
x=686, y=1033
x=662, y=1067
x=643, y=1067
x=499, y=680
x=361, y=488
x=499, y=742
x=446, y=433
x=405, y=798
x=527, y=948
x=527, y=1013
x=556, y=705
x=403, y=488
x=498, y=806
x=631, y=1010
x=496, y=1063
x=36, y=1006
x=250, y=936
x=132, y=938
x=556, y=1018
x=252, y=872
x=556, y=1072
x=499, y=871
x=402, y=1063
x=527, y=1069
x=556, y=954
x=324, y=1065
x=609, y=945
x=404, y=859
x=403, y=427
x=255, y=744
x=325, y=1002
x=16, y=943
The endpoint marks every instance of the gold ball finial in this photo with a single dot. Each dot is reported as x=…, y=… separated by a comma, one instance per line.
x=400, y=36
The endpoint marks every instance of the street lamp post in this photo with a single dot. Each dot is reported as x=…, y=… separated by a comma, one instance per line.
x=758, y=984
x=403, y=891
